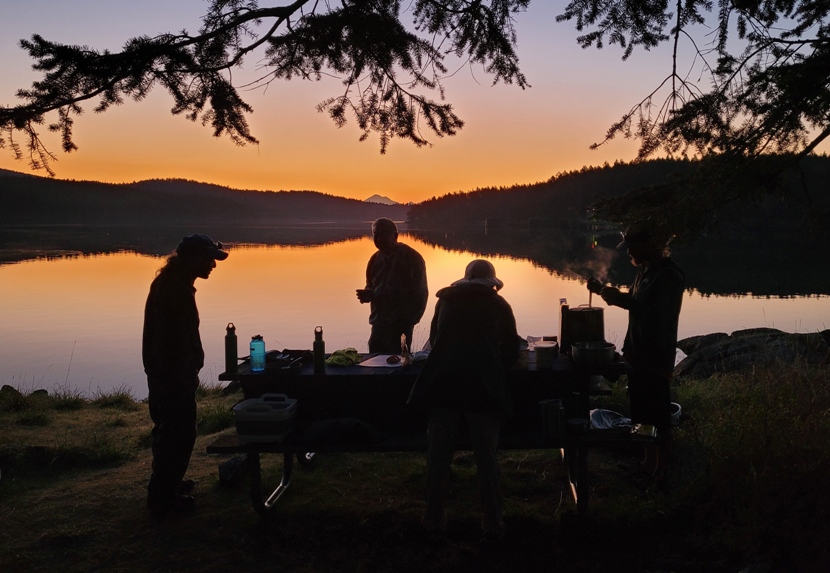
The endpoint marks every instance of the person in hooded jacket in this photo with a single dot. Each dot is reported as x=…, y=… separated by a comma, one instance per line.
x=473, y=342
x=653, y=303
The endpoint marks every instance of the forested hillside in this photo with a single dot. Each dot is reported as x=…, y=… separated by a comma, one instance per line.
x=565, y=199
x=31, y=200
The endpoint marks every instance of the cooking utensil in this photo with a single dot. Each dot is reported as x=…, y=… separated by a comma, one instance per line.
x=593, y=354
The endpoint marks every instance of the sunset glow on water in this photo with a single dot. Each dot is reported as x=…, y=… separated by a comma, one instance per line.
x=77, y=321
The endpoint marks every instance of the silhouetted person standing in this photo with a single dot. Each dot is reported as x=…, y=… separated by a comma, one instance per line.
x=173, y=355
x=650, y=347
x=396, y=288
x=464, y=383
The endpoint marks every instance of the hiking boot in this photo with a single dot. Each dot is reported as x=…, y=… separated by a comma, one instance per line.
x=185, y=487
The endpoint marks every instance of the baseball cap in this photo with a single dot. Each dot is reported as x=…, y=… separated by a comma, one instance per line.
x=201, y=244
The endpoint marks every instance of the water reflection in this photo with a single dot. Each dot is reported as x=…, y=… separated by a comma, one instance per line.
x=761, y=264
x=76, y=320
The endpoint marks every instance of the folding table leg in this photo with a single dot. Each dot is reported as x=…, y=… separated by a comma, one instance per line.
x=575, y=458
x=263, y=508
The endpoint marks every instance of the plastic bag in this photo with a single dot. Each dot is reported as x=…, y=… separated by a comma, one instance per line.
x=608, y=420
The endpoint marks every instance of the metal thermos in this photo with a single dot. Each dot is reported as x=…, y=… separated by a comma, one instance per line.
x=257, y=354
x=231, y=351
x=319, y=351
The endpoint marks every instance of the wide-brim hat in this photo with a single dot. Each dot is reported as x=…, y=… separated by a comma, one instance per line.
x=201, y=244
x=481, y=272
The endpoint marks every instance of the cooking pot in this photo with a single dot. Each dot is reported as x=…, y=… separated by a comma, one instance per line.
x=593, y=354
x=583, y=323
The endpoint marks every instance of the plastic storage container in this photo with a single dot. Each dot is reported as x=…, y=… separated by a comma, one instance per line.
x=268, y=418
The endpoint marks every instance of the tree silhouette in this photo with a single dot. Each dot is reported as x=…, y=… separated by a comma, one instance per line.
x=748, y=78
x=766, y=66
x=386, y=67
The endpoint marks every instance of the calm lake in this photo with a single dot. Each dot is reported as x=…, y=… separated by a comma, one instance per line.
x=75, y=322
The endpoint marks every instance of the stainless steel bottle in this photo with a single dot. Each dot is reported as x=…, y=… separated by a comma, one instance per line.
x=319, y=351
x=231, y=351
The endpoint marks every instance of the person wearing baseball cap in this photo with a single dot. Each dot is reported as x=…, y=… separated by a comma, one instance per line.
x=173, y=355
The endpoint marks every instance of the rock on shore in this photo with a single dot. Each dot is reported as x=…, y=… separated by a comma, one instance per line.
x=721, y=352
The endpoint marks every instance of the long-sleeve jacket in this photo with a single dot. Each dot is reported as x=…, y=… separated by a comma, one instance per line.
x=474, y=341
x=171, y=345
x=398, y=281
x=653, y=304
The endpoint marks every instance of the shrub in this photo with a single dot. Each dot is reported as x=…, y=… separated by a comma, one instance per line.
x=763, y=437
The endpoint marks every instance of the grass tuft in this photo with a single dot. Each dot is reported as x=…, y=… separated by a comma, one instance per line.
x=67, y=399
x=121, y=398
x=117, y=421
x=214, y=417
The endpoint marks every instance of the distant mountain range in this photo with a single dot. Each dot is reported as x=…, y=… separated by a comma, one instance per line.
x=562, y=202
x=33, y=200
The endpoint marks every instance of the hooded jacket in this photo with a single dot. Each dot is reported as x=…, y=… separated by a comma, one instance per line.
x=474, y=341
x=171, y=346
x=653, y=305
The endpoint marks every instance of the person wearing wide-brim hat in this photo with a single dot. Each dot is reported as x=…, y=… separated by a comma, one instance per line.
x=463, y=383
x=653, y=303
x=173, y=355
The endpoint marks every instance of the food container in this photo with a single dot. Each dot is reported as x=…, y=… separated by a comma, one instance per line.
x=268, y=418
x=592, y=354
x=546, y=352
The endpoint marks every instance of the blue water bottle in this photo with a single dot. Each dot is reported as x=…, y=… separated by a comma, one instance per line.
x=257, y=354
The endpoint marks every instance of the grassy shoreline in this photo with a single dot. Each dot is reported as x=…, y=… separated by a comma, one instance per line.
x=747, y=488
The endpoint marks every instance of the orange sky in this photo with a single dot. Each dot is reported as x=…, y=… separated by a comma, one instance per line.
x=512, y=136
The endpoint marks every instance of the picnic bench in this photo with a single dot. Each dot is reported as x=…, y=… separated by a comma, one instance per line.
x=362, y=409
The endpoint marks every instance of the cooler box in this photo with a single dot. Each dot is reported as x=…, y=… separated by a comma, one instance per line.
x=265, y=419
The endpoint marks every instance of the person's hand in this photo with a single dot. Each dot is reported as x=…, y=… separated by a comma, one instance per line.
x=610, y=294
x=364, y=295
x=594, y=285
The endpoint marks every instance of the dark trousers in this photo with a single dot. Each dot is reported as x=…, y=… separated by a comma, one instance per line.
x=386, y=337
x=443, y=431
x=174, y=433
x=650, y=397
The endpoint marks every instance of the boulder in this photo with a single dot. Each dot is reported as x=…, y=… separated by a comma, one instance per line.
x=7, y=390
x=719, y=352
